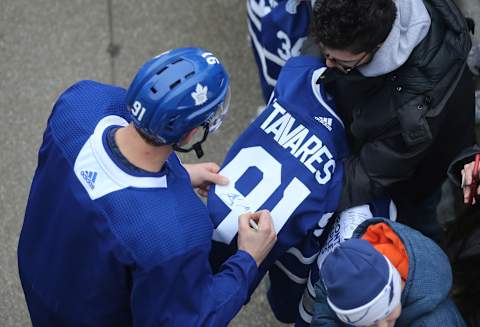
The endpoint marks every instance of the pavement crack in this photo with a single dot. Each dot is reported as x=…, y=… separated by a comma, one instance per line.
x=113, y=48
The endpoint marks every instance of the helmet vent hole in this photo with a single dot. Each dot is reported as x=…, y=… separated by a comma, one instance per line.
x=174, y=84
x=154, y=90
x=177, y=61
x=162, y=70
x=189, y=75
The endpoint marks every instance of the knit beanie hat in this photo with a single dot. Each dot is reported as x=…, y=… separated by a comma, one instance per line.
x=362, y=285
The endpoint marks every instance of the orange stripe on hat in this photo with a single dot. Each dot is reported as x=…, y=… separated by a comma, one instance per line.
x=387, y=242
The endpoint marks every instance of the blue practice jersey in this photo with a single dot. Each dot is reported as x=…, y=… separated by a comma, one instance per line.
x=277, y=30
x=289, y=161
x=103, y=244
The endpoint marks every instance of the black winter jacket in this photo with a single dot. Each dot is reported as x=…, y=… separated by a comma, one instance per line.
x=408, y=125
x=463, y=246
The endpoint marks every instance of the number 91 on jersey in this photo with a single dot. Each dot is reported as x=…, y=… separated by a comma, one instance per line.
x=295, y=192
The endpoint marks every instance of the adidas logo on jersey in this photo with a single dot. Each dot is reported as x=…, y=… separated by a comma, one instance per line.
x=90, y=177
x=327, y=122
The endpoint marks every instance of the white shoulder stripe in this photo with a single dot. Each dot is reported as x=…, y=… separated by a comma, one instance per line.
x=98, y=173
x=318, y=95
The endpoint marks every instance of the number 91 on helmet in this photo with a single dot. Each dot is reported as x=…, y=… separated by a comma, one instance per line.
x=176, y=92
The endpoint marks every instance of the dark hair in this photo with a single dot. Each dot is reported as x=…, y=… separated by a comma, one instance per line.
x=148, y=139
x=352, y=25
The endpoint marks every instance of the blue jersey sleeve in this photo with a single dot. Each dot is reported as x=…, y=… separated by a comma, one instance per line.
x=186, y=293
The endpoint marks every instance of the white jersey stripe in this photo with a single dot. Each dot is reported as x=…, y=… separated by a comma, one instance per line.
x=311, y=289
x=290, y=275
x=299, y=255
x=318, y=95
x=99, y=174
x=253, y=17
x=304, y=314
x=262, y=55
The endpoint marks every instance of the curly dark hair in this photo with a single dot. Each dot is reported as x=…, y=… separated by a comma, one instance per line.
x=352, y=25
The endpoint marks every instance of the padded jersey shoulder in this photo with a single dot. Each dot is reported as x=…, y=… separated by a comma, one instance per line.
x=78, y=110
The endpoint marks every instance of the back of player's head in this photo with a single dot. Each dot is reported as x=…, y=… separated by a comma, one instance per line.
x=352, y=25
x=176, y=92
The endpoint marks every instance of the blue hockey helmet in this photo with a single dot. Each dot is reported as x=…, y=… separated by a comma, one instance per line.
x=176, y=92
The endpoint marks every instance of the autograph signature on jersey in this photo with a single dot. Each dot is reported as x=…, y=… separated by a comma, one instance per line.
x=235, y=200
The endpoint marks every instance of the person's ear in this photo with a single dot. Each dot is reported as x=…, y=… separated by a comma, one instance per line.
x=188, y=136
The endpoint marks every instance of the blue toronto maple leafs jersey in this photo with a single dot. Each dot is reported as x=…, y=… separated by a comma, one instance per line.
x=289, y=161
x=105, y=245
x=277, y=30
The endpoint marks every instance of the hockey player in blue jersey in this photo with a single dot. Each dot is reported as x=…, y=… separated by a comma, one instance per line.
x=277, y=30
x=114, y=234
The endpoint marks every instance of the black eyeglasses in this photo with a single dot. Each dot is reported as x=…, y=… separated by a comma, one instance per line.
x=346, y=69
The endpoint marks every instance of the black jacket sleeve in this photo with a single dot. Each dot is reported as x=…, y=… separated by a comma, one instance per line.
x=379, y=165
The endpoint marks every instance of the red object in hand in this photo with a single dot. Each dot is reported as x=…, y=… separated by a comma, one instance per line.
x=473, y=186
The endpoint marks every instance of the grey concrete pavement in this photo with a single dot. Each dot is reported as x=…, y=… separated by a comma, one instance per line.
x=47, y=45
x=471, y=8
x=44, y=46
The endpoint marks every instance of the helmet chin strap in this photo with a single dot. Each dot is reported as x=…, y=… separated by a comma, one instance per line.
x=197, y=147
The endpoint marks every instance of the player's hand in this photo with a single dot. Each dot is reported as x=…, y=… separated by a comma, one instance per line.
x=203, y=175
x=257, y=243
x=467, y=179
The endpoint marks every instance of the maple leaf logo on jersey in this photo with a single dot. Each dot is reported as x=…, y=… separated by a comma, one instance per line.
x=200, y=94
